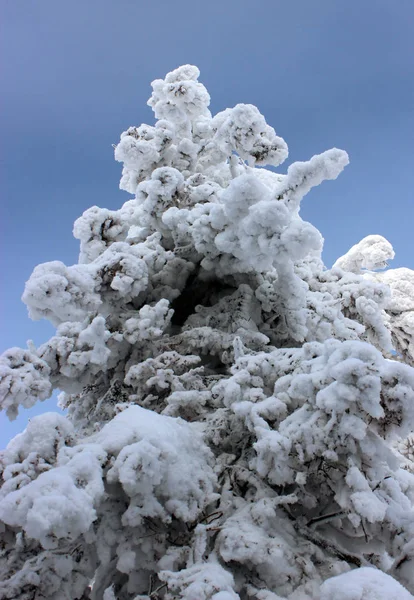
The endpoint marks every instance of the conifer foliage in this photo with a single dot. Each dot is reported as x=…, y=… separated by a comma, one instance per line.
x=238, y=416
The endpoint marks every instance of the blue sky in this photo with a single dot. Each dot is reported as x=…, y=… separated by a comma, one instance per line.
x=76, y=74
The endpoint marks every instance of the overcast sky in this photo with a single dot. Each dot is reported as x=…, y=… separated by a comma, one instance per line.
x=76, y=74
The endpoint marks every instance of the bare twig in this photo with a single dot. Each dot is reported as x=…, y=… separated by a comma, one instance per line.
x=313, y=537
x=326, y=518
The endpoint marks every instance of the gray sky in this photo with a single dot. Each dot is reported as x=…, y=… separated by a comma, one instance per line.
x=76, y=74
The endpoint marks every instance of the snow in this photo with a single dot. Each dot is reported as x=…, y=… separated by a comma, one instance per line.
x=59, y=503
x=244, y=130
x=174, y=465
x=204, y=582
x=363, y=584
x=371, y=253
x=44, y=435
x=23, y=380
x=235, y=411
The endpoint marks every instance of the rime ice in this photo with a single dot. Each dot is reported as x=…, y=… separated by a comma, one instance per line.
x=238, y=416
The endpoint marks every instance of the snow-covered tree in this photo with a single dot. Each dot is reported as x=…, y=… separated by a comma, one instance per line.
x=235, y=411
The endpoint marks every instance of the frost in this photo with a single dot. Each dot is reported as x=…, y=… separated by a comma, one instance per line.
x=243, y=129
x=239, y=418
x=59, y=503
x=400, y=310
x=24, y=379
x=371, y=253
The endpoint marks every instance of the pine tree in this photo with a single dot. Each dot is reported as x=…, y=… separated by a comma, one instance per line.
x=236, y=413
